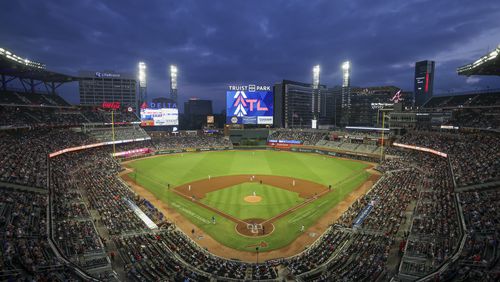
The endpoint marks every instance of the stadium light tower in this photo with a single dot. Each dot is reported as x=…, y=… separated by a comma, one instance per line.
x=346, y=91
x=346, y=71
x=315, y=105
x=173, y=82
x=316, y=72
x=142, y=84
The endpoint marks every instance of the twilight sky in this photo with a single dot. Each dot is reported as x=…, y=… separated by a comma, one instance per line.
x=217, y=43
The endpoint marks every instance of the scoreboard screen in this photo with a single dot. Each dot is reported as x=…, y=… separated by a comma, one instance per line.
x=159, y=117
x=250, y=105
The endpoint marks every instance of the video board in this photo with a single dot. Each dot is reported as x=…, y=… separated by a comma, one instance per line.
x=249, y=105
x=159, y=117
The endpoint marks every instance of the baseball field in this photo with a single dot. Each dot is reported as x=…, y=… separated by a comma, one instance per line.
x=244, y=199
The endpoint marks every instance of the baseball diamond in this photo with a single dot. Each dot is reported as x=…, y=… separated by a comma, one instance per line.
x=249, y=197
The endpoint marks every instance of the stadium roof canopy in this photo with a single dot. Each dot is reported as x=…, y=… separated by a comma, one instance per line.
x=486, y=65
x=29, y=73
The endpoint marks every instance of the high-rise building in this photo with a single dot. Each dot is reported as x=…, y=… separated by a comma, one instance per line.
x=296, y=104
x=196, y=112
x=173, y=82
x=331, y=106
x=195, y=106
x=424, y=82
x=98, y=87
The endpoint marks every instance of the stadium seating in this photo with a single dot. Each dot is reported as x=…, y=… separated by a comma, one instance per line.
x=474, y=156
x=307, y=137
x=417, y=207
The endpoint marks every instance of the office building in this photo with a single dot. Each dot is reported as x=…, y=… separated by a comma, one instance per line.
x=196, y=106
x=296, y=104
x=98, y=87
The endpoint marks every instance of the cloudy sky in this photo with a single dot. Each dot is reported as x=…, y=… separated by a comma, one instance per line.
x=217, y=43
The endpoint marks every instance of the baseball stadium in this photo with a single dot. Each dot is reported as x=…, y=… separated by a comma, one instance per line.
x=196, y=175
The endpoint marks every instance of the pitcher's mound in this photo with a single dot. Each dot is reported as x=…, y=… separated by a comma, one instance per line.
x=252, y=199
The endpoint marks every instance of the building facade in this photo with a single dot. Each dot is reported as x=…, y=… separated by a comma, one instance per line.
x=98, y=87
x=424, y=82
x=368, y=103
x=195, y=106
x=297, y=104
x=195, y=113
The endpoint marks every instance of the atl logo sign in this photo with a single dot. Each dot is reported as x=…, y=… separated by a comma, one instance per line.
x=249, y=88
x=242, y=101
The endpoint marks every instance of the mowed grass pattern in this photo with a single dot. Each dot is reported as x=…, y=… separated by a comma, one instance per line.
x=155, y=173
x=231, y=200
x=187, y=167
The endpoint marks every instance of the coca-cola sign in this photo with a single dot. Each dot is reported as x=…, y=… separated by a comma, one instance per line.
x=111, y=105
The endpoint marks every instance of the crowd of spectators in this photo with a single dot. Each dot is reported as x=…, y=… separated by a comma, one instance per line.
x=23, y=155
x=464, y=101
x=306, y=137
x=25, y=252
x=479, y=259
x=19, y=116
x=484, y=118
x=435, y=229
x=363, y=258
x=360, y=252
x=122, y=132
x=190, y=141
x=348, y=146
x=482, y=219
x=103, y=116
x=475, y=157
x=389, y=198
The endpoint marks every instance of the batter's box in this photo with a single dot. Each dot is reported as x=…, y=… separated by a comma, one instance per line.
x=255, y=228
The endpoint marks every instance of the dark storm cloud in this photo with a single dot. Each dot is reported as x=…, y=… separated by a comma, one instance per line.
x=215, y=43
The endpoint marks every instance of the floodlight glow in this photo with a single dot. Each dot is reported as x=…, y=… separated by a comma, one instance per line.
x=9, y=55
x=173, y=77
x=142, y=74
x=346, y=65
x=491, y=56
x=173, y=69
x=346, y=73
x=316, y=72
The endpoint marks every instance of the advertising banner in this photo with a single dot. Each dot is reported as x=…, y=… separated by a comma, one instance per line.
x=250, y=105
x=159, y=117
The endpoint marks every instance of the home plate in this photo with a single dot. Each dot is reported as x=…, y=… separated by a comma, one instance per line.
x=312, y=234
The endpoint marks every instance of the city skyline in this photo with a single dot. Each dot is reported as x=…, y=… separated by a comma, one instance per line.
x=221, y=43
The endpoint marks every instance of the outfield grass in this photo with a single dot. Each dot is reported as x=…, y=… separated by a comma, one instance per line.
x=155, y=173
x=231, y=200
